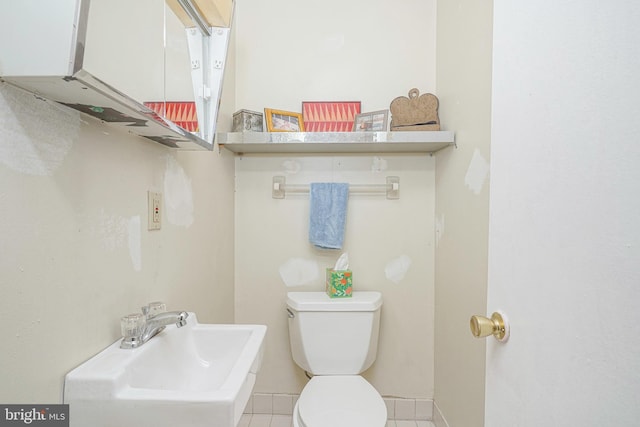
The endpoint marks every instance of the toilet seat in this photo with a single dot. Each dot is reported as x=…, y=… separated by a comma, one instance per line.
x=340, y=401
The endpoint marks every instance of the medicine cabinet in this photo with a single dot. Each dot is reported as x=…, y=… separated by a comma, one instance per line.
x=153, y=67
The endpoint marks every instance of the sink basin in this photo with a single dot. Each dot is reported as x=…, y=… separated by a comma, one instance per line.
x=195, y=376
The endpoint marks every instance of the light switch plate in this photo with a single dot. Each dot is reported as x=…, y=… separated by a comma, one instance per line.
x=155, y=210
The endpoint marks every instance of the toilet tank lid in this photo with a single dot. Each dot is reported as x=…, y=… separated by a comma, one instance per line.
x=320, y=301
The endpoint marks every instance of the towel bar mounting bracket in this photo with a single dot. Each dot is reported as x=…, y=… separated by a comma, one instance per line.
x=393, y=187
x=277, y=190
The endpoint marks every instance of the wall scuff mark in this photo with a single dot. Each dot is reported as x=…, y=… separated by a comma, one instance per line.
x=378, y=164
x=439, y=228
x=135, y=247
x=111, y=230
x=477, y=172
x=291, y=167
x=396, y=269
x=38, y=134
x=299, y=271
x=117, y=232
x=178, y=195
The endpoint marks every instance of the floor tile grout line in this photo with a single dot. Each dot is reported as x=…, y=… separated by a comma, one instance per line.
x=267, y=420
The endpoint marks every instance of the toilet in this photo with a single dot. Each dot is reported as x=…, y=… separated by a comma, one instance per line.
x=336, y=339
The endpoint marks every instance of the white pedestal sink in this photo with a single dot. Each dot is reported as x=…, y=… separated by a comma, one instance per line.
x=199, y=375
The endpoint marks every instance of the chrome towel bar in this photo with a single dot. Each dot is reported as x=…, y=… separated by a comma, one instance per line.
x=391, y=189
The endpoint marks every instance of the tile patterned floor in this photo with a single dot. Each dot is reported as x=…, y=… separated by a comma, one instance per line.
x=266, y=420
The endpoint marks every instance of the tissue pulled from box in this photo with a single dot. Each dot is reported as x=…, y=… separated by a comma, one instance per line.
x=343, y=262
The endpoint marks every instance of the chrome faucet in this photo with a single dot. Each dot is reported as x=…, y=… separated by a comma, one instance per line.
x=138, y=328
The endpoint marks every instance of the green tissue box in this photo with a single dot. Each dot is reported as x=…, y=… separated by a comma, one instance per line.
x=339, y=283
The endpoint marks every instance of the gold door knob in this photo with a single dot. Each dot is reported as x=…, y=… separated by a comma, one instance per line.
x=483, y=327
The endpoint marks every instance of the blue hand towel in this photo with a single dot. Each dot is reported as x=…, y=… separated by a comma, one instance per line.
x=328, y=214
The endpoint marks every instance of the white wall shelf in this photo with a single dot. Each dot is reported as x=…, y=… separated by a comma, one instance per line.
x=336, y=142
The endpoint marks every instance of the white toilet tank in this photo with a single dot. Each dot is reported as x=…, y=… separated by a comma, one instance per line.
x=334, y=336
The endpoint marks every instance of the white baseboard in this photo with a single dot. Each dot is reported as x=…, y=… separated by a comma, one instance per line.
x=438, y=417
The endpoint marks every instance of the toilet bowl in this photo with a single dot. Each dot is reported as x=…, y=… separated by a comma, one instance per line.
x=339, y=401
x=336, y=340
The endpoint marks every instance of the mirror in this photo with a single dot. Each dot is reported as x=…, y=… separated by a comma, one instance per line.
x=163, y=67
x=132, y=65
x=152, y=67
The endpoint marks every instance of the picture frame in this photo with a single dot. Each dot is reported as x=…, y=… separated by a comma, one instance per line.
x=283, y=121
x=374, y=121
x=182, y=113
x=329, y=116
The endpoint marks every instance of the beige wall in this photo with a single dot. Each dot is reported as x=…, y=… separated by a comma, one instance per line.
x=289, y=52
x=462, y=207
x=271, y=233
x=73, y=258
x=76, y=254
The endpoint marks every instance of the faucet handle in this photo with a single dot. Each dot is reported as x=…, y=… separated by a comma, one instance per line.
x=131, y=325
x=155, y=308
